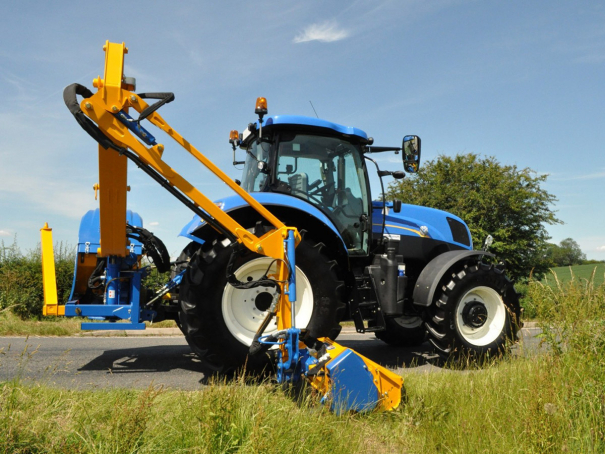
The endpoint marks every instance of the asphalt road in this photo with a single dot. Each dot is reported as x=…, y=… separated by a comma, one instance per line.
x=136, y=362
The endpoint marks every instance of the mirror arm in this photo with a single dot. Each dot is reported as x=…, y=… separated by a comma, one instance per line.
x=381, y=149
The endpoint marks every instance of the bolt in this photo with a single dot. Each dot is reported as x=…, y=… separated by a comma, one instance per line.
x=88, y=105
x=133, y=98
x=114, y=109
x=259, y=249
x=160, y=148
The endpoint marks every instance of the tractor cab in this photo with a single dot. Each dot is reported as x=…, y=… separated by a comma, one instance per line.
x=316, y=161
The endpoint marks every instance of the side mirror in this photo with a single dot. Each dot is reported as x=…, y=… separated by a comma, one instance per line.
x=411, y=153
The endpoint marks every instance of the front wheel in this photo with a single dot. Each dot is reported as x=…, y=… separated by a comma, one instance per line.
x=476, y=314
x=219, y=320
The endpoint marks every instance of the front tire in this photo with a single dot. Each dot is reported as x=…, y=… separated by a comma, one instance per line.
x=219, y=321
x=476, y=314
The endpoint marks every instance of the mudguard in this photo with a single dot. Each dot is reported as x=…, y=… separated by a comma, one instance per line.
x=235, y=202
x=431, y=275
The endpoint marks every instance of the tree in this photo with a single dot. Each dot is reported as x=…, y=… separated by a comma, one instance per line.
x=567, y=253
x=491, y=198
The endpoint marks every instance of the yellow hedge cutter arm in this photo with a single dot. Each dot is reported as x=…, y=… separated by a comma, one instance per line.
x=345, y=378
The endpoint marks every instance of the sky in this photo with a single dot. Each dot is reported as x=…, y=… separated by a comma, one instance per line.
x=522, y=81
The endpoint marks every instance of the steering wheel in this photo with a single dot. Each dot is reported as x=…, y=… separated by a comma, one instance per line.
x=308, y=195
x=340, y=210
x=312, y=191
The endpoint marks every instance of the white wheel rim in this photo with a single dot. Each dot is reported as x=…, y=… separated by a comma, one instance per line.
x=494, y=323
x=240, y=312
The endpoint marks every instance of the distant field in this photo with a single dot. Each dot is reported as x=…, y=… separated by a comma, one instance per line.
x=564, y=273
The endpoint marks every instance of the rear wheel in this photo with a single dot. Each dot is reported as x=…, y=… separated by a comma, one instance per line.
x=219, y=321
x=182, y=262
x=476, y=314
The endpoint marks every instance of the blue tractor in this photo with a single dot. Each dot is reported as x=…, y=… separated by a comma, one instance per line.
x=403, y=272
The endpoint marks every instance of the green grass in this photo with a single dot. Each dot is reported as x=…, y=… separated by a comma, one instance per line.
x=544, y=405
x=566, y=273
x=552, y=402
x=12, y=325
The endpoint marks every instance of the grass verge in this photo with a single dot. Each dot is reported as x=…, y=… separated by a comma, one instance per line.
x=548, y=404
x=553, y=402
x=12, y=325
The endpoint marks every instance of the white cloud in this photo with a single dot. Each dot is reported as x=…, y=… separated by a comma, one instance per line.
x=4, y=233
x=601, y=248
x=587, y=176
x=153, y=224
x=325, y=32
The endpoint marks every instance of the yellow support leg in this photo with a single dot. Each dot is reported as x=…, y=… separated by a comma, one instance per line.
x=51, y=302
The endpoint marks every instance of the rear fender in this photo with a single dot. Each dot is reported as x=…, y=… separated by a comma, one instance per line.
x=433, y=272
x=290, y=210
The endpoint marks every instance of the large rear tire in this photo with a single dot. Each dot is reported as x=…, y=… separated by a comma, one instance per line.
x=219, y=321
x=182, y=262
x=477, y=313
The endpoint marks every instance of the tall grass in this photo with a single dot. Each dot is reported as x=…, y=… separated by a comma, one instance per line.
x=548, y=402
x=552, y=401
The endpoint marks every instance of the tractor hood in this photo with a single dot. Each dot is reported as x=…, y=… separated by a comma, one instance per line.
x=419, y=221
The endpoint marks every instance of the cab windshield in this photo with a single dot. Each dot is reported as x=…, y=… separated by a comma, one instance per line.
x=253, y=179
x=328, y=173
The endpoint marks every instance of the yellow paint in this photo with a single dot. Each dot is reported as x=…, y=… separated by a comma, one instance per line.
x=417, y=232
x=113, y=170
x=49, y=280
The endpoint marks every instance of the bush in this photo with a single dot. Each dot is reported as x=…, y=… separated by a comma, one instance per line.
x=21, y=278
x=504, y=201
x=571, y=314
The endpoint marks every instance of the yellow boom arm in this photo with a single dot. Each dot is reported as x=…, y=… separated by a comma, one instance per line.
x=114, y=96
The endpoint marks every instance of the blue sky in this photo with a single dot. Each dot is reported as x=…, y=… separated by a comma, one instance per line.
x=518, y=80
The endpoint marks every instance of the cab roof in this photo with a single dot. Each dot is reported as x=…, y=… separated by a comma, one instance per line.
x=310, y=121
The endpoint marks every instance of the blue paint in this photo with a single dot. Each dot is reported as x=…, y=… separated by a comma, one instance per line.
x=294, y=120
x=353, y=386
x=267, y=199
x=89, y=235
x=112, y=281
x=136, y=128
x=89, y=239
x=290, y=248
x=410, y=220
x=288, y=370
x=123, y=290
